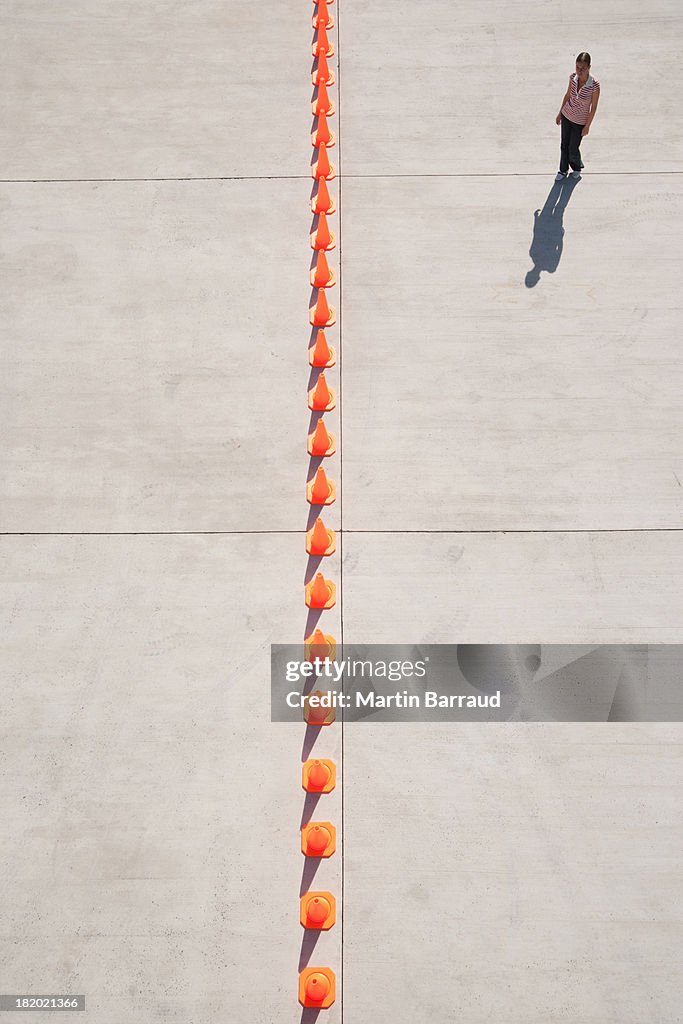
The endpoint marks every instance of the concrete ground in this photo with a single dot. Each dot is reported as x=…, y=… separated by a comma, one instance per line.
x=509, y=470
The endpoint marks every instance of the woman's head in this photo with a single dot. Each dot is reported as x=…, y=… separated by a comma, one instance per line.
x=584, y=60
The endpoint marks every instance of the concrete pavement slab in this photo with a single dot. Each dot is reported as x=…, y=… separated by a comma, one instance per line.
x=519, y=872
x=475, y=398
x=150, y=851
x=510, y=588
x=155, y=338
x=526, y=873
x=461, y=88
x=129, y=90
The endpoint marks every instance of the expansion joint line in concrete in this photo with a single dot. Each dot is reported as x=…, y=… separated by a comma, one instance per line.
x=317, y=984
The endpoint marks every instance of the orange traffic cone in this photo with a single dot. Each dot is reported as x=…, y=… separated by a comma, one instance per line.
x=322, y=17
x=314, y=714
x=322, y=47
x=318, y=839
x=320, y=442
x=322, y=104
x=322, y=74
x=321, y=398
x=322, y=315
x=318, y=910
x=321, y=274
x=322, y=136
x=319, y=776
x=322, y=237
x=320, y=593
x=322, y=201
x=320, y=490
x=320, y=541
x=321, y=354
x=322, y=168
x=317, y=987
x=319, y=644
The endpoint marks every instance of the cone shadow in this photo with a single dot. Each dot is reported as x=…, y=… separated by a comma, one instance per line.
x=312, y=567
x=312, y=620
x=313, y=380
x=308, y=944
x=314, y=464
x=311, y=865
x=316, y=414
x=309, y=1015
x=310, y=738
x=313, y=513
x=310, y=804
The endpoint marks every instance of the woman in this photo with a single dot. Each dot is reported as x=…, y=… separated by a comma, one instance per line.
x=576, y=115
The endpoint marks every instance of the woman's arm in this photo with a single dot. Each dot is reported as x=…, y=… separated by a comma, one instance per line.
x=564, y=100
x=594, y=107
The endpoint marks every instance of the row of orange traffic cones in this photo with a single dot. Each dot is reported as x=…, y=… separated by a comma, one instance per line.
x=320, y=540
x=318, y=838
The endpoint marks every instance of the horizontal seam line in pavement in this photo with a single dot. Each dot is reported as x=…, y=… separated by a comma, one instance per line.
x=216, y=177
x=597, y=529
x=251, y=533
x=297, y=177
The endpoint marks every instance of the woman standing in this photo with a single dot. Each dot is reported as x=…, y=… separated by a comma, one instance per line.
x=576, y=115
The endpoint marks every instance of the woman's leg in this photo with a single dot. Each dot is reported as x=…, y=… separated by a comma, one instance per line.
x=564, y=145
x=574, y=146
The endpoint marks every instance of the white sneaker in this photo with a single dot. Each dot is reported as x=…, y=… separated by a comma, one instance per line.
x=560, y=176
x=576, y=175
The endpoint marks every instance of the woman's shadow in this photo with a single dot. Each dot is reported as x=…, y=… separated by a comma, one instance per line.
x=546, y=245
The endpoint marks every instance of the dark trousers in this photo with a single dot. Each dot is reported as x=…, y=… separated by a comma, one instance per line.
x=570, y=153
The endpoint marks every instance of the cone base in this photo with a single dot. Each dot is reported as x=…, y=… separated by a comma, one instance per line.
x=310, y=718
x=333, y=397
x=330, y=209
x=321, y=455
x=327, y=788
x=332, y=280
x=328, y=551
x=329, y=500
x=330, y=24
x=303, y=995
x=328, y=177
x=316, y=80
x=329, y=920
x=325, y=53
x=327, y=113
x=327, y=248
x=310, y=643
x=331, y=361
x=325, y=145
x=322, y=323
x=331, y=600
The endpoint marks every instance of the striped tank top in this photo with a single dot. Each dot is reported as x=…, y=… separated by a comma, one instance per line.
x=577, y=107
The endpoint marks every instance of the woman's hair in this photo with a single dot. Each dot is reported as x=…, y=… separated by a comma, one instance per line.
x=585, y=58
